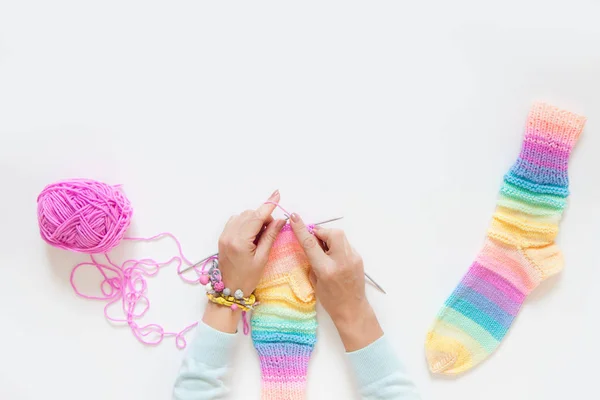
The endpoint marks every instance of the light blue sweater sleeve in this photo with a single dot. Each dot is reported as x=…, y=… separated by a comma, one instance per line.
x=379, y=373
x=206, y=363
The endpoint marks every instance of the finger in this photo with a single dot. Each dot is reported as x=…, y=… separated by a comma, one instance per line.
x=324, y=234
x=263, y=229
x=269, y=220
x=314, y=252
x=267, y=239
x=255, y=220
x=335, y=239
x=312, y=278
x=266, y=209
x=231, y=220
x=230, y=225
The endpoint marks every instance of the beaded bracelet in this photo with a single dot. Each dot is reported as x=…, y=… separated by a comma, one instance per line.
x=246, y=304
x=219, y=294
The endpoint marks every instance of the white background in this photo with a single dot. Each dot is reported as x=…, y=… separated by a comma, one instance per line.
x=400, y=116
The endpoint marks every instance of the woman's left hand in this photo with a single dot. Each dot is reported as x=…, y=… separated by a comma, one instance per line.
x=244, y=248
x=245, y=244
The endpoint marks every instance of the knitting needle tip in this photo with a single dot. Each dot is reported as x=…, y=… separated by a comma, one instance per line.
x=192, y=266
x=375, y=283
x=328, y=221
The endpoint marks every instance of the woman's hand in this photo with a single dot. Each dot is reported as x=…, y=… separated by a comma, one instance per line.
x=244, y=248
x=338, y=277
x=245, y=244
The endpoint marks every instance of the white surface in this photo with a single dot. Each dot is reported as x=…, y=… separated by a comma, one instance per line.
x=401, y=116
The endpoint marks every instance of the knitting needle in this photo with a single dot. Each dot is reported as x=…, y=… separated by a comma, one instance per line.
x=198, y=263
x=328, y=221
x=375, y=283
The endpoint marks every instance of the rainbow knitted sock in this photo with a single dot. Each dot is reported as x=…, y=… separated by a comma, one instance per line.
x=284, y=325
x=519, y=251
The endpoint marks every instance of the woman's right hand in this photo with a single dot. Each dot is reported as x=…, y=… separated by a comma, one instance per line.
x=338, y=277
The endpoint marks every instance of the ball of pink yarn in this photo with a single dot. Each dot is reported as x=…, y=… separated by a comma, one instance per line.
x=83, y=215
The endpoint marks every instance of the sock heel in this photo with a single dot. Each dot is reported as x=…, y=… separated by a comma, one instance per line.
x=548, y=260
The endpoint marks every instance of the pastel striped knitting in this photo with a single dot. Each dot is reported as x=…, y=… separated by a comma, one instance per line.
x=284, y=325
x=519, y=251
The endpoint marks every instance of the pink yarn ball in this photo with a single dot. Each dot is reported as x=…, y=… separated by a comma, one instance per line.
x=83, y=215
x=219, y=286
x=204, y=279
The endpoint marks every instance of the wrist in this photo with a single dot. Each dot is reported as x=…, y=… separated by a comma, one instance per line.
x=221, y=318
x=358, y=329
x=247, y=286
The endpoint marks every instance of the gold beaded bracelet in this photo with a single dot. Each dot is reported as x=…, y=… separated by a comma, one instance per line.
x=245, y=304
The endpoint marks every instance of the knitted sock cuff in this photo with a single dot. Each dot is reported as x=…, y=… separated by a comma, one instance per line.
x=554, y=128
x=284, y=367
x=283, y=390
x=543, y=162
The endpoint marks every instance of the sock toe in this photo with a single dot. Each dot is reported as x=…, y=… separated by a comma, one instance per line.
x=446, y=355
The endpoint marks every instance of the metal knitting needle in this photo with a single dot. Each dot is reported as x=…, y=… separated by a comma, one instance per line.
x=198, y=263
x=375, y=283
x=328, y=221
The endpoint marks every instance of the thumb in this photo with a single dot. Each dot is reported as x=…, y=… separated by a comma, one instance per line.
x=267, y=239
x=312, y=277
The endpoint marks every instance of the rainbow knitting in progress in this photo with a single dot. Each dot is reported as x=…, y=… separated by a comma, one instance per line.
x=519, y=251
x=284, y=325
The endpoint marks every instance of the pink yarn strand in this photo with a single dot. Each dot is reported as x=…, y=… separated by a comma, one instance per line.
x=126, y=283
x=287, y=214
x=245, y=323
x=160, y=236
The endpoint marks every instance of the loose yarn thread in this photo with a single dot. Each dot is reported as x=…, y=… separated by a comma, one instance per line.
x=285, y=212
x=92, y=217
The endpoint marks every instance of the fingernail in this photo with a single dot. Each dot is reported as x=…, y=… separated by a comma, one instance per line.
x=280, y=223
x=316, y=227
x=274, y=194
x=295, y=217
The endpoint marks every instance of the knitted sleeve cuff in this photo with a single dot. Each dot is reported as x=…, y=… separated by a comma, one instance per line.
x=374, y=362
x=560, y=126
x=212, y=347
